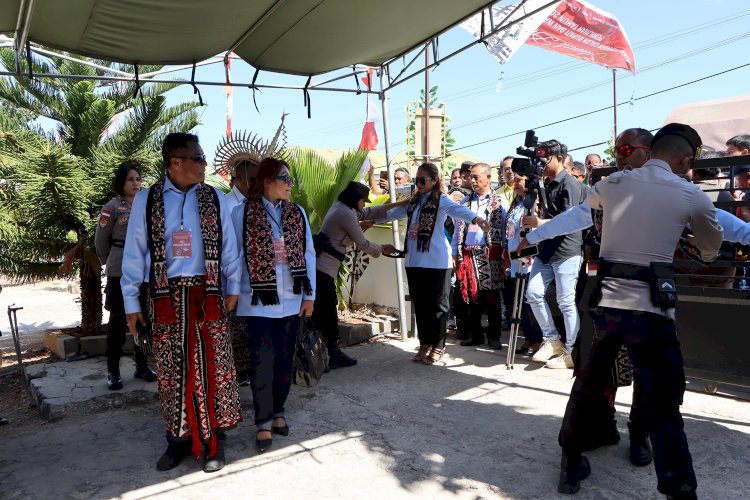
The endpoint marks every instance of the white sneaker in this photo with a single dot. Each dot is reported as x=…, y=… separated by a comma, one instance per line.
x=548, y=349
x=562, y=360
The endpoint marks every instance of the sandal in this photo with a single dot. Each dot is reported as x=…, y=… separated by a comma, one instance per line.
x=422, y=353
x=435, y=354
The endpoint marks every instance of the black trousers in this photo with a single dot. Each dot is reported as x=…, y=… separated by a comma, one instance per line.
x=429, y=290
x=651, y=340
x=117, y=326
x=325, y=314
x=272, y=343
x=460, y=310
x=490, y=301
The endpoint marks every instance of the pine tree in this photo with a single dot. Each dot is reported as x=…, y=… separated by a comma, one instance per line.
x=54, y=183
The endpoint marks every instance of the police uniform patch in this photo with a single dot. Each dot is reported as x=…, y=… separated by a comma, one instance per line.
x=104, y=218
x=123, y=220
x=122, y=208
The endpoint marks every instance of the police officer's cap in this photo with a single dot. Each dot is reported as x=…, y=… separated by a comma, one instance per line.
x=681, y=130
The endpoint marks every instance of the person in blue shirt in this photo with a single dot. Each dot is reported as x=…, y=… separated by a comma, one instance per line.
x=428, y=257
x=180, y=240
x=276, y=289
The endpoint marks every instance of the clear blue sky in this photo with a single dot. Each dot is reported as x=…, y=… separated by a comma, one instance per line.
x=674, y=41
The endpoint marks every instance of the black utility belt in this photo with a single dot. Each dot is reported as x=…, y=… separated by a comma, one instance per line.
x=658, y=275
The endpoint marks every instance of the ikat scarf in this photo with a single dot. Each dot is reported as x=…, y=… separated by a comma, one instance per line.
x=427, y=217
x=260, y=257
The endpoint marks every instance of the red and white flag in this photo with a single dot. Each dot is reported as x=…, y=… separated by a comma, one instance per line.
x=369, y=134
x=229, y=91
x=571, y=27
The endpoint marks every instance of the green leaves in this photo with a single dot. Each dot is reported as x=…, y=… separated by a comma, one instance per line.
x=319, y=183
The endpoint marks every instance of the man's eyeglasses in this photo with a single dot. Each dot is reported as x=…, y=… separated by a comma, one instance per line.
x=423, y=180
x=627, y=149
x=197, y=158
x=288, y=179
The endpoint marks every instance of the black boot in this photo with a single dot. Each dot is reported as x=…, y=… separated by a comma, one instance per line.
x=640, y=446
x=145, y=373
x=573, y=470
x=114, y=381
x=173, y=455
x=338, y=358
x=217, y=462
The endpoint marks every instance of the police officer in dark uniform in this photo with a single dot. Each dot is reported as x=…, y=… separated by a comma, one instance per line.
x=110, y=241
x=645, y=212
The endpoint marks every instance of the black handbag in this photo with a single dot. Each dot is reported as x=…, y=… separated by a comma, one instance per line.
x=310, y=355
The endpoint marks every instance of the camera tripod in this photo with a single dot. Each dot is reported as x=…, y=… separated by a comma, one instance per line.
x=522, y=280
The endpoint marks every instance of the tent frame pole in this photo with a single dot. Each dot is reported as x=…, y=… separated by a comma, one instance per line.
x=402, y=323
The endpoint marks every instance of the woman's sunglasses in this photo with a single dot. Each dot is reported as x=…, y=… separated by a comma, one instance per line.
x=423, y=180
x=627, y=149
x=288, y=179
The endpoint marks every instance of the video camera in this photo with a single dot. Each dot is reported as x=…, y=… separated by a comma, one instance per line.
x=535, y=159
x=531, y=167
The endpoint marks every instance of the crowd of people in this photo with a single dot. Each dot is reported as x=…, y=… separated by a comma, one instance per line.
x=222, y=283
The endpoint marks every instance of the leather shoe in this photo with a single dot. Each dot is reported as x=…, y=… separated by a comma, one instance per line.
x=472, y=342
x=145, y=373
x=114, y=382
x=640, y=448
x=339, y=359
x=217, y=462
x=4, y=421
x=572, y=471
x=607, y=438
x=263, y=444
x=495, y=344
x=173, y=455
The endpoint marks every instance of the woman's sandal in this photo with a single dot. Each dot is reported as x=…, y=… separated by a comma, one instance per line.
x=435, y=355
x=422, y=353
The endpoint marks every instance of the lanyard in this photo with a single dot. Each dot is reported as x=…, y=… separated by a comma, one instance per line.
x=273, y=219
x=182, y=211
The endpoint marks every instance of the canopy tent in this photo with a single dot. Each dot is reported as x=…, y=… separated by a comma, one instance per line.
x=304, y=37
x=717, y=120
x=300, y=37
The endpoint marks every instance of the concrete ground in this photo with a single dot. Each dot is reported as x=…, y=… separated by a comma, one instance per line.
x=387, y=428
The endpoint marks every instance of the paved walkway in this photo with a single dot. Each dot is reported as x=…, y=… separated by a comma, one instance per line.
x=387, y=428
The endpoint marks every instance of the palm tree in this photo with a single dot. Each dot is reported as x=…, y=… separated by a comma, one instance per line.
x=316, y=190
x=55, y=182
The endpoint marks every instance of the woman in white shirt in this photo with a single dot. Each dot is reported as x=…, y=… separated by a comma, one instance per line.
x=276, y=290
x=428, y=257
x=532, y=333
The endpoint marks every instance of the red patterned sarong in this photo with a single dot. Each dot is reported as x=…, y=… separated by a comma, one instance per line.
x=197, y=380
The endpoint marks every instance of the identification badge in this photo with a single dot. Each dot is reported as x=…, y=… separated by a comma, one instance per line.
x=413, y=231
x=279, y=250
x=182, y=245
x=510, y=232
x=473, y=228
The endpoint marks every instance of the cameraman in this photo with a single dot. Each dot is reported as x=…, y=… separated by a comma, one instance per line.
x=559, y=259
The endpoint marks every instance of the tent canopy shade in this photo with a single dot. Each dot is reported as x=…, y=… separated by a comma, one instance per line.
x=717, y=120
x=303, y=37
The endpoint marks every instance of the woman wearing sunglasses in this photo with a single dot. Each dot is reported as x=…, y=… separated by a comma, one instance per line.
x=428, y=257
x=276, y=289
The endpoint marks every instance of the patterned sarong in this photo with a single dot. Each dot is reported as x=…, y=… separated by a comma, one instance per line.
x=197, y=381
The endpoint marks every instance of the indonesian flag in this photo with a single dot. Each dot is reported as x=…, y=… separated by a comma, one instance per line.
x=369, y=134
x=229, y=91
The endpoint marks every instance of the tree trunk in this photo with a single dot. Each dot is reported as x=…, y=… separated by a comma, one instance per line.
x=91, y=300
x=91, y=290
